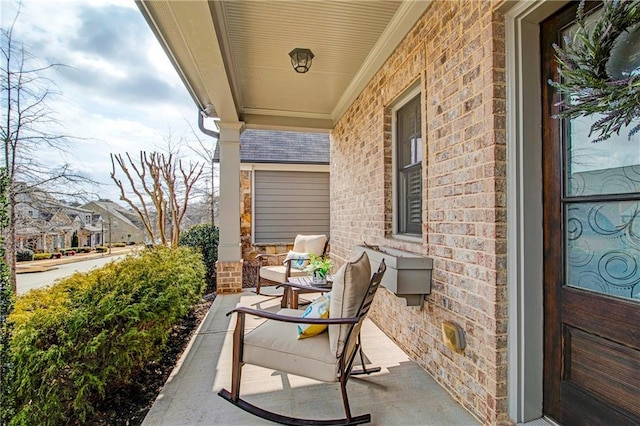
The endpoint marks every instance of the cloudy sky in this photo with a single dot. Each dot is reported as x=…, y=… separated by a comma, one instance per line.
x=117, y=90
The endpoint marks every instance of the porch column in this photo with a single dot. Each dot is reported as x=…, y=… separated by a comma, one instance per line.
x=229, y=265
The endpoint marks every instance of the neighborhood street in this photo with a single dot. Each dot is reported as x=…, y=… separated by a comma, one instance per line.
x=29, y=281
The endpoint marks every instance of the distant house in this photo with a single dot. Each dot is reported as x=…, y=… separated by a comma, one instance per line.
x=118, y=225
x=46, y=224
x=284, y=187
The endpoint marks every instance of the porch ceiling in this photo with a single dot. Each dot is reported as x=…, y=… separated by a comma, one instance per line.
x=234, y=54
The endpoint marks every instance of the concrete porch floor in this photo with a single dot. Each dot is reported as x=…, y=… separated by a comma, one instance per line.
x=401, y=394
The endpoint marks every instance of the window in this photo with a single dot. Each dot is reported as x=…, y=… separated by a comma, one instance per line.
x=408, y=168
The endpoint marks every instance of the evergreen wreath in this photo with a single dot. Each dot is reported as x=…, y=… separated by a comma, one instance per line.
x=584, y=82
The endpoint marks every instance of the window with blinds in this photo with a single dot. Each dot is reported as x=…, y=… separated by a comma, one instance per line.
x=409, y=168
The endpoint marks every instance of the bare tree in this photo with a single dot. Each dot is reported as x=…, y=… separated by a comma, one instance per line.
x=27, y=124
x=206, y=153
x=158, y=193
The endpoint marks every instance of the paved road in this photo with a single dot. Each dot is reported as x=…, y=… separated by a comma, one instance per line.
x=40, y=279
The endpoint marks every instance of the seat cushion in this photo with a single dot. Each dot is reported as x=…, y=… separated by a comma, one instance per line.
x=349, y=288
x=277, y=273
x=313, y=244
x=273, y=344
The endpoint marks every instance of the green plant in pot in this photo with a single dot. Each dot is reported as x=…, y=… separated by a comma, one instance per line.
x=319, y=267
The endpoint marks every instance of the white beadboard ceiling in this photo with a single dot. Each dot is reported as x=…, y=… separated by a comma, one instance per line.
x=234, y=54
x=339, y=34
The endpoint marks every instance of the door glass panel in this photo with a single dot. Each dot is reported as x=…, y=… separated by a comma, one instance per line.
x=603, y=247
x=611, y=166
x=608, y=167
x=602, y=235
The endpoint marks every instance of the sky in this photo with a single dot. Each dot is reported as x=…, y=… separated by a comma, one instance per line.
x=117, y=91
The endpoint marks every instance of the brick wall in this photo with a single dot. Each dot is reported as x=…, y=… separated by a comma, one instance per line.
x=456, y=53
x=228, y=277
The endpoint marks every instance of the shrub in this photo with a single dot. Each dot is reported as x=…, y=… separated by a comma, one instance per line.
x=101, y=249
x=119, y=245
x=41, y=256
x=56, y=255
x=25, y=255
x=205, y=239
x=7, y=370
x=89, y=334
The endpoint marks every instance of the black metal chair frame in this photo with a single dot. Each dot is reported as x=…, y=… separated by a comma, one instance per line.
x=345, y=366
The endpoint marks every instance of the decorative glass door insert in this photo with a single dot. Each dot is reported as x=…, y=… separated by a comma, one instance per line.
x=602, y=200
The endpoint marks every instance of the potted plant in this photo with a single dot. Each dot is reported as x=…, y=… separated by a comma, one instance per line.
x=319, y=267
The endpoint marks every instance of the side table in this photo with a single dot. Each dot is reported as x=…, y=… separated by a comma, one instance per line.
x=297, y=285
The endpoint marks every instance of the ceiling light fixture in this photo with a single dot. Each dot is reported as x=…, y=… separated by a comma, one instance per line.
x=301, y=59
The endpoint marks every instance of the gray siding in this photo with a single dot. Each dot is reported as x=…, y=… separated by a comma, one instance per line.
x=290, y=203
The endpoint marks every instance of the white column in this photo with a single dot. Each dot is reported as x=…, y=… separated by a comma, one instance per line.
x=229, y=249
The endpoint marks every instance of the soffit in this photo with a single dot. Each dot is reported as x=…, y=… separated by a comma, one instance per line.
x=261, y=34
x=236, y=53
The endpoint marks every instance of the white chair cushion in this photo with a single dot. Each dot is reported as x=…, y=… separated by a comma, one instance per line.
x=313, y=244
x=350, y=284
x=273, y=344
x=277, y=273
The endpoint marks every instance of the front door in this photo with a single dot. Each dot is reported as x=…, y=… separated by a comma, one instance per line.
x=591, y=261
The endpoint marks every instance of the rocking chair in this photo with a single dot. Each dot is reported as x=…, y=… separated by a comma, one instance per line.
x=303, y=247
x=328, y=357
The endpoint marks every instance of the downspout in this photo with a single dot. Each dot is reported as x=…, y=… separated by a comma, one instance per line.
x=206, y=112
x=202, y=114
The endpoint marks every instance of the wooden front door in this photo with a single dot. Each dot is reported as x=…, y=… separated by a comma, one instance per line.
x=591, y=261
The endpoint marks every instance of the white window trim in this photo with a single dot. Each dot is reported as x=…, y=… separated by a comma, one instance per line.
x=405, y=98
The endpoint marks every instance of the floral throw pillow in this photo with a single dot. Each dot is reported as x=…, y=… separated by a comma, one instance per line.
x=298, y=260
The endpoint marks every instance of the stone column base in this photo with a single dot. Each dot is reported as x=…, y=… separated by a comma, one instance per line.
x=229, y=277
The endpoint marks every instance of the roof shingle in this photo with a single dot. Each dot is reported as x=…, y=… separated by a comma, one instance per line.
x=270, y=146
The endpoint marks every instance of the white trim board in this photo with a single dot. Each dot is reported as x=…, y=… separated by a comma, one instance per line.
x=524, y=207
x=324, y=168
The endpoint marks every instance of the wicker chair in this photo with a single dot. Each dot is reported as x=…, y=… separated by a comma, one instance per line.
x=328, y=357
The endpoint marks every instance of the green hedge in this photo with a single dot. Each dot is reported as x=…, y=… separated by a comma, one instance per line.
x=91, y=333
x=84, y=249
x=6, y=307
x=204, y=238
x=24, y=255
x=41, y=256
